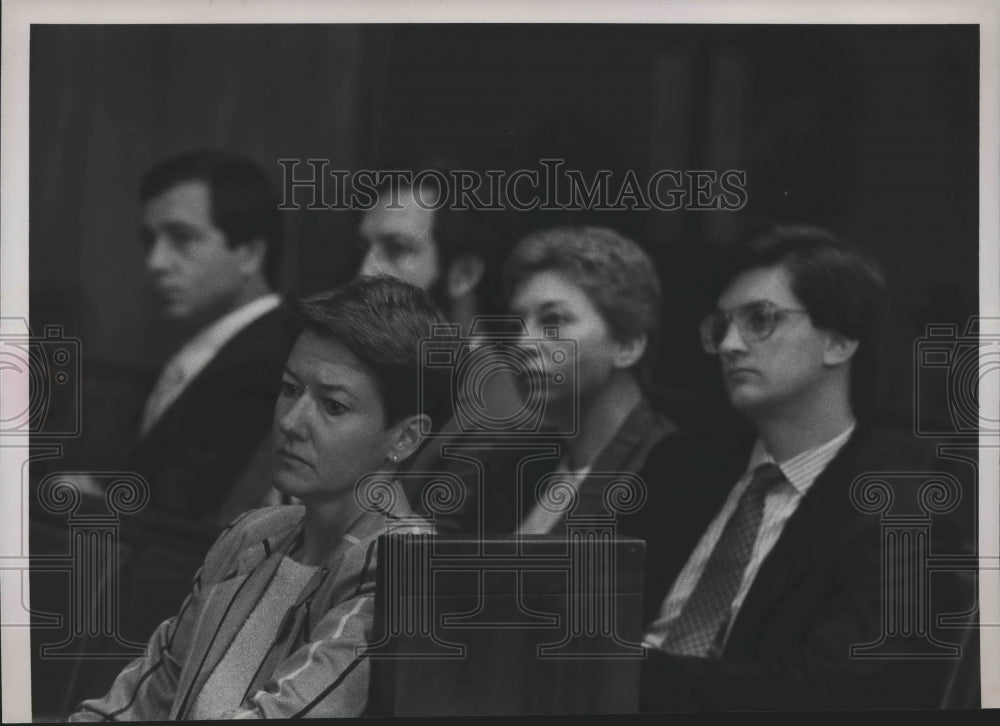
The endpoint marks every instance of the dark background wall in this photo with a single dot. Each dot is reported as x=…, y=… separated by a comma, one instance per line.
x=871, y=131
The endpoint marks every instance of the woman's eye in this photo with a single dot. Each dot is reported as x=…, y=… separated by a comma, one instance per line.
x=334, y=408
x=289, y=390
x=552, y=319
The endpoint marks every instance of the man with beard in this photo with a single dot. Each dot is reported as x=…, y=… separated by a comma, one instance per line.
x=419, y=232
x=414, y=234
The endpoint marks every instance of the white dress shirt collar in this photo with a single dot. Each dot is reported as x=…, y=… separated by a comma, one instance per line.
x=203, y=346
x=802, y=469
x=197, y=353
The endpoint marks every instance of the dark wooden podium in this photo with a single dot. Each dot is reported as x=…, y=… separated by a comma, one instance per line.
x=531, y=625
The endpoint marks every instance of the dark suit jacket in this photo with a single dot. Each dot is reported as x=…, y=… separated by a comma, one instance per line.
x=203, y=441
x=500, y=477
x=626, y=453
x=819, y=591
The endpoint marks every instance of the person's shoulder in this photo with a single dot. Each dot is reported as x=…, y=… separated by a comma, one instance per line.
x=268, y=521
x=693, y=412
x=283, y=318
x=693, y=469
x=254, y=527
x=387, y=511
x=267, y=339
x=892, y=446
x=400, y=518
x=725, y=438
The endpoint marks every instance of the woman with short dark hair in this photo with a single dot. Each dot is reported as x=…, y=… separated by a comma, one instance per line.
x=282, y=609
x=590, y=301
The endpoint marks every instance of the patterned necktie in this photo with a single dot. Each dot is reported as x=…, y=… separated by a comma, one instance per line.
x=701, y=627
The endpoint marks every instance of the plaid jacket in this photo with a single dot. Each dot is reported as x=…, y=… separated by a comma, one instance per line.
x=315, y=668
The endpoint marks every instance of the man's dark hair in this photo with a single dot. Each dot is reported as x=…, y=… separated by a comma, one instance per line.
x=841, y=286
x=457, y=232
x=381, y=320
x=243, y=201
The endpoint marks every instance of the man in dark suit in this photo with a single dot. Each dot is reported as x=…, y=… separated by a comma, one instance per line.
x=767, y=578
x=213, y=238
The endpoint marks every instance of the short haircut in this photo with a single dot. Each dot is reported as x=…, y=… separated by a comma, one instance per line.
x=841, y=286
x=382, y=321
x=456, y=231
x=243, y=201
x=618, y=277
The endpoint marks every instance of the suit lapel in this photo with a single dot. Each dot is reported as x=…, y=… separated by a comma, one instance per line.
x=813, y=531
x=517, y=501
x=625, y=453
x=688, y=478
x=238, y=349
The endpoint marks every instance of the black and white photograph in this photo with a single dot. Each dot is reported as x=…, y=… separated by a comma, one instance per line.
x=429, y=360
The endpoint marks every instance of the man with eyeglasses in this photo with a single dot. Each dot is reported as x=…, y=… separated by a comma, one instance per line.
x=757, y=603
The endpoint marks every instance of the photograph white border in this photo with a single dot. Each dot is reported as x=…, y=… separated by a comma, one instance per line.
x=18, y=15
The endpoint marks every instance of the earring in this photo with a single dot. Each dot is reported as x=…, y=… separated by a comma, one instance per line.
x=392, y=458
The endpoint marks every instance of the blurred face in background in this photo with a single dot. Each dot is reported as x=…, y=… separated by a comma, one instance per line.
x=196, y=276
x=399, y=241
x=549, y=299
